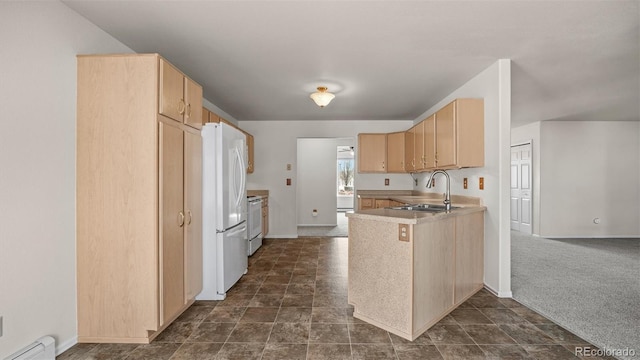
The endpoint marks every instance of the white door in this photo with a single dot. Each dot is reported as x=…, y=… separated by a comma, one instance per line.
x=521, y=181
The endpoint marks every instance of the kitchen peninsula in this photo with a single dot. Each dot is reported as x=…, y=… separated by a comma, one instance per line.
x=409, y=269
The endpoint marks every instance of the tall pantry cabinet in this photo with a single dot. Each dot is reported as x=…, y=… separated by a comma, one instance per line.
x=139, y=187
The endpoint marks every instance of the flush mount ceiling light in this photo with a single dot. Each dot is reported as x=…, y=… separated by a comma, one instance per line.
x=321, y=97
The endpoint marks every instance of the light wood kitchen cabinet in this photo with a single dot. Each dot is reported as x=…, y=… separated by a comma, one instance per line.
x=429, y=142
x=250, y=155
x=451, y=138
x=414, y=148
x=418, y=146
x=469, y=256
x=409, y=150
x=372, y=203
x=139, y=211
x=193, y=205
x=372, y=153
x=395, y=152
x=366, y=203
x=382, y=203
x=459, y=134
x=265, y=216
x=180, y=97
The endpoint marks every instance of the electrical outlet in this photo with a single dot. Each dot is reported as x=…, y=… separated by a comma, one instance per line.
x=464, y=183
x=481, y=184
x=403, y=232
x=288, y=166
x=433, y=182
x=288, y=182
x=386, y=182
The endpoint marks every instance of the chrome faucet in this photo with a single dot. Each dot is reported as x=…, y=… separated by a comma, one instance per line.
x=447, y=196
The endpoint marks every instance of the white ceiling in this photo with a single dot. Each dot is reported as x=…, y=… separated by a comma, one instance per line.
x=391, y=60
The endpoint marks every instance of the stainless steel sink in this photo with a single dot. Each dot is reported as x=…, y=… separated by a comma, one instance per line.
x=422, y=207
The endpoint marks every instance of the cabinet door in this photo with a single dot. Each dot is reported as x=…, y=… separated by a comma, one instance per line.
x=409, y=150
x=172, y=221
x=250, y=153
x=469, y=255
x=171, y=102
x=193, y=207
x=430, y=142
x=193, y=100
x=381, y=204
x=366, y=203
x=372, y=151
x=419, y=146
x=395, y=152
x=445, y=136
x=205, y=116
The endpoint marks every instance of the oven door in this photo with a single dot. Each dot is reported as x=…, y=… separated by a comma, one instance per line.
x=255, y=219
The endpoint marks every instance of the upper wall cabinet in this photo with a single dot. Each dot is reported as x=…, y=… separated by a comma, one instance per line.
x=180, y=97
x=395, y=152
x=451, y=138
x=372, y=153
x=459, y=135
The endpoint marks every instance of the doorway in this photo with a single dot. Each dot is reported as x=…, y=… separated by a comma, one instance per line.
x=345, y=178
x=521, y=186
x=323, y=193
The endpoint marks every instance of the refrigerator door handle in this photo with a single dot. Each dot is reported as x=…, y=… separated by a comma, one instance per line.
x=239, y=167
x=235, y=227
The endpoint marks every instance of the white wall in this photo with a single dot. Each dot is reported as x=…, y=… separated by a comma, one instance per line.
x=316, y=177
x=40, y=41
x=494, y=85
x=590, y=169
x=275, y=147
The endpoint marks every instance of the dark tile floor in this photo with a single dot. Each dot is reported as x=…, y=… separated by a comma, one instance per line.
x=292, y=304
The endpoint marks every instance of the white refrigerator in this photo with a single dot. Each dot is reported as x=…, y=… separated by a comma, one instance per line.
x=224, y=209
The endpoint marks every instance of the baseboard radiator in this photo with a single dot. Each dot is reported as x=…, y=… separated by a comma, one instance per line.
x=42, y=349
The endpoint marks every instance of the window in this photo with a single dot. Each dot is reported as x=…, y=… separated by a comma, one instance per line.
x=345, y=176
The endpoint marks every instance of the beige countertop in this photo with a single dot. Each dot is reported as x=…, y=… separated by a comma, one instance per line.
x=463, y=205
x=412, y=216
x=260, y=193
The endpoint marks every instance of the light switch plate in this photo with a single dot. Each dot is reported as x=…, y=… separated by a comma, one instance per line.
x=288, y=166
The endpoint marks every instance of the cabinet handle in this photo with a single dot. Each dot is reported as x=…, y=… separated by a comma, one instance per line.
x=189, y=221
x=188, y=110
x=180, y=219
x=181, y=107
x=413, y=162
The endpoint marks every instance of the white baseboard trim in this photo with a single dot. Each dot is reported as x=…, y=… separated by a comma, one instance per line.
x=500, y=294
x=66, y=345
x=281, y=236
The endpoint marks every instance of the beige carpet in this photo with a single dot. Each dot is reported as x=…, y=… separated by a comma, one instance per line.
x=591, y=287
